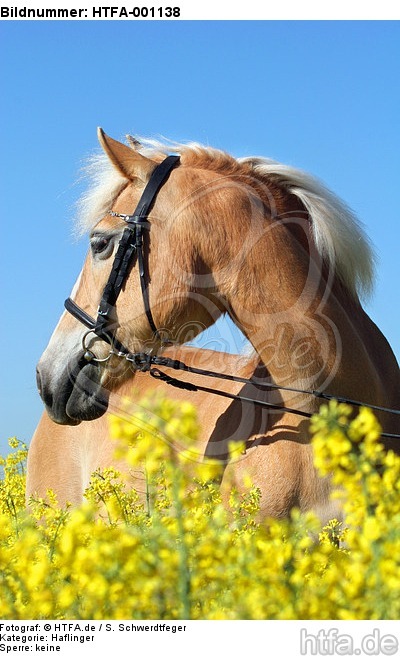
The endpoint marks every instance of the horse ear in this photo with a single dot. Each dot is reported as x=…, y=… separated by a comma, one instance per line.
x=133, y=142
x=129, y=163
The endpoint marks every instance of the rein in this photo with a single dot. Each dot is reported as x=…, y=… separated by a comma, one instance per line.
x=131, y=246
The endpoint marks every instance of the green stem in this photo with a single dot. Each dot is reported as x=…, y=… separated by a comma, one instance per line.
x=184, y=581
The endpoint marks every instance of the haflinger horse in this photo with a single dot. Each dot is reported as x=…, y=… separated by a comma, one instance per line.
x=211, y=234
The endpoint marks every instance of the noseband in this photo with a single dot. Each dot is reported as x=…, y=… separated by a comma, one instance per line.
x=130, y=246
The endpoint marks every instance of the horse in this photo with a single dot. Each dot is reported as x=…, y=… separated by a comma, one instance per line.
x=62, y=457
x=267, y=244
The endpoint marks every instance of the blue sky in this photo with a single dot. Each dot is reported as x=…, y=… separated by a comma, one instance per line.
x=322, y=96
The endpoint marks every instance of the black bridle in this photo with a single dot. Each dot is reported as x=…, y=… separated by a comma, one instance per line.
x=131, y=246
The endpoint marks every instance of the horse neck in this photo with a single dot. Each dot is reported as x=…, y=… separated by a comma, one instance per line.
x=303, y=323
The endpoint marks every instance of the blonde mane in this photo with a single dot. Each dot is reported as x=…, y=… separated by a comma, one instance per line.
x=105, y=183
x=338, y=235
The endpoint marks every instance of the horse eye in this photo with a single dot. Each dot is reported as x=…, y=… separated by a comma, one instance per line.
x=101, y=246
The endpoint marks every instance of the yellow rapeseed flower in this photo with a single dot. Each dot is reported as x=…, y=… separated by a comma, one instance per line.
x=178, y=552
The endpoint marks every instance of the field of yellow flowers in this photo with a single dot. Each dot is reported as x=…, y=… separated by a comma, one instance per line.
x=181, y=554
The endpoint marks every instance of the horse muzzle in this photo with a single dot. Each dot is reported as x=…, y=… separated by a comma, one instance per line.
x=75, y=395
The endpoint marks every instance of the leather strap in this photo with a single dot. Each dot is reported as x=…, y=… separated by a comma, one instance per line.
x=156, y=181
x=142, y=278
x=131, y=244
x=120, y=268
x=90, y=323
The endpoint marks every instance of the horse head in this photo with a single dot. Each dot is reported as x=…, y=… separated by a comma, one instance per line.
x=176, y=279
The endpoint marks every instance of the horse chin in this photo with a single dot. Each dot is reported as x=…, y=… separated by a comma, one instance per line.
x=88, y=399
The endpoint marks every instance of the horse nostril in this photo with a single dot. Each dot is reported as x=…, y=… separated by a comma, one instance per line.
x=38, y=381
x=44, y=393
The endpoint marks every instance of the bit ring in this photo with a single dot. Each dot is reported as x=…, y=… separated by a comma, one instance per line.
x=88, y=355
